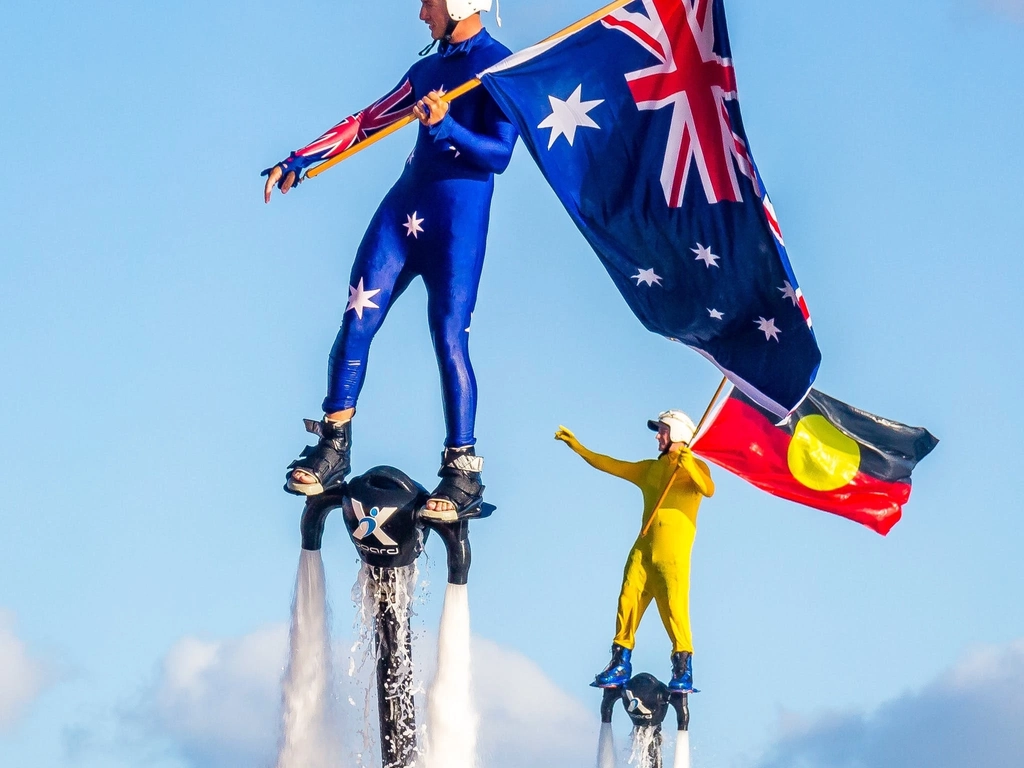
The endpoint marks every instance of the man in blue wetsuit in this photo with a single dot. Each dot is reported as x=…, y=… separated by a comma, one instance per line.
x=432, y=224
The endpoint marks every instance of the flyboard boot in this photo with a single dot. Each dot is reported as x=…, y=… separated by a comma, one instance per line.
x=460, y=485
x=619, y=669
x=328, y=461
x=682, y=673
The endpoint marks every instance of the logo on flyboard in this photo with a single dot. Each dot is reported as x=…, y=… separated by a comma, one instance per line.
x=370, y=523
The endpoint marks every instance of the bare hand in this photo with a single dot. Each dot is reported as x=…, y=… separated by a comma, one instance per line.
x=272, y=180
x=431, y=109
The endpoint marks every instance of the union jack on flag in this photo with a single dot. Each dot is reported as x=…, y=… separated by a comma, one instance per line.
x=635, y=123
x=355, y=128
x=695, y=82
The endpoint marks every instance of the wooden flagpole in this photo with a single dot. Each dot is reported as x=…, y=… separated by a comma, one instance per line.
x=453, y=94
x=675, y=472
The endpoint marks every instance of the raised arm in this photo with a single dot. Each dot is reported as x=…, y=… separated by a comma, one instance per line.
x=627, y=470
x=353, y=129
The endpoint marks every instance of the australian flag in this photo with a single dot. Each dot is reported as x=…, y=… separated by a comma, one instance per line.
x=635, y=123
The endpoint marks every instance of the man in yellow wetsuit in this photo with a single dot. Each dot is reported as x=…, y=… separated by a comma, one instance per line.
x=658, y=566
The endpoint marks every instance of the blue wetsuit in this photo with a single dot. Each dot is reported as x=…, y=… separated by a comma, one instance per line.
x=433, y=223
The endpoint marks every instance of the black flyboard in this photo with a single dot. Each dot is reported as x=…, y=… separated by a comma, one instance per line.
x=380, y=513
x=646, y=700
x=381, y=509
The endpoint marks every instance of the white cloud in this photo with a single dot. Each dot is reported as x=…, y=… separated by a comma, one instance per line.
x=22, y=678
x=217, y=703
x=1014, y=9
x=971, y=715
x=525, y=719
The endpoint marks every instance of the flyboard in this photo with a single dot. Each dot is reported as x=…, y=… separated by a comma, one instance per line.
x=647, y=701
x=381, y=512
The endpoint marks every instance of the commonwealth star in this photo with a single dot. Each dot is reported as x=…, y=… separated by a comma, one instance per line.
x=566, y=116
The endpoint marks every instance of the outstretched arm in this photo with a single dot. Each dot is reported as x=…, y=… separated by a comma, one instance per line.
x=345, y=135
x=627, y=470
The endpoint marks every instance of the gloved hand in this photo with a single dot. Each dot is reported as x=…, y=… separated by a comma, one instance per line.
x=567, y=437
x=278, y=177
x=685, y=455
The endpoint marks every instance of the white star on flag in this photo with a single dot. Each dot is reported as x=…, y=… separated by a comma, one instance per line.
x=789, y=292
x=768, y=328
x=715, y=314
x=705, y=255
x=412, y=226
x=566, y=116
x=359, y=298
x=647, y=276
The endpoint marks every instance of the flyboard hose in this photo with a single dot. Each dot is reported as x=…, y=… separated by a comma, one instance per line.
x=395, y=705
x=461, y=90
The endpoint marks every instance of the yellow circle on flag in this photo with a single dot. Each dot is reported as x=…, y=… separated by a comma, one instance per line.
x=820, y=456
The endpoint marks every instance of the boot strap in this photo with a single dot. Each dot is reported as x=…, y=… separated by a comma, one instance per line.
x=465, y=462
x=467, y=486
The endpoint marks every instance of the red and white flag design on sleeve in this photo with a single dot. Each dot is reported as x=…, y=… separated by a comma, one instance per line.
x=362, y=125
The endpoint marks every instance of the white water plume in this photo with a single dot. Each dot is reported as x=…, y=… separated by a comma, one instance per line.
x=682, y=750
x=646, y=748
x=307, y=738
x=452, y=719
x=606, y=747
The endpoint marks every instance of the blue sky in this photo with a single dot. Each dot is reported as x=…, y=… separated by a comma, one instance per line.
x=163, y=332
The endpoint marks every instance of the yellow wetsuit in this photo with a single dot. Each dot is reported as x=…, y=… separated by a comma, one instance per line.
x=658, y=566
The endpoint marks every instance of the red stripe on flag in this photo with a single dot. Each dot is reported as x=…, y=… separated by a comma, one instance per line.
x=803, y=308
x=637, y=33
x=747, y=444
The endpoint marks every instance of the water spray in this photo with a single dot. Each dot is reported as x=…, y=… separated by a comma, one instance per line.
x=646, y=701
x=306, y=739
x=380, y=510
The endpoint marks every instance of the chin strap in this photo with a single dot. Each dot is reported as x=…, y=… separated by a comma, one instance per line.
x=452, y=24
x=497, y=11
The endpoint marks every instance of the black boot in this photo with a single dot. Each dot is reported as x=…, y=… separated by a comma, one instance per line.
x=460, y=484
x=328, y=461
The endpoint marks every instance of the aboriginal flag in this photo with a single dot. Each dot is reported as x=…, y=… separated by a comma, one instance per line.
x=826, y=454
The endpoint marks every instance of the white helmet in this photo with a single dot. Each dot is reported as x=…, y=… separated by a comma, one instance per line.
x=463, y=9
x=680, y=427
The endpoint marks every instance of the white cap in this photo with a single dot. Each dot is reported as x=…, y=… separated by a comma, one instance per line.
x=463, y=9
x=680, y=427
